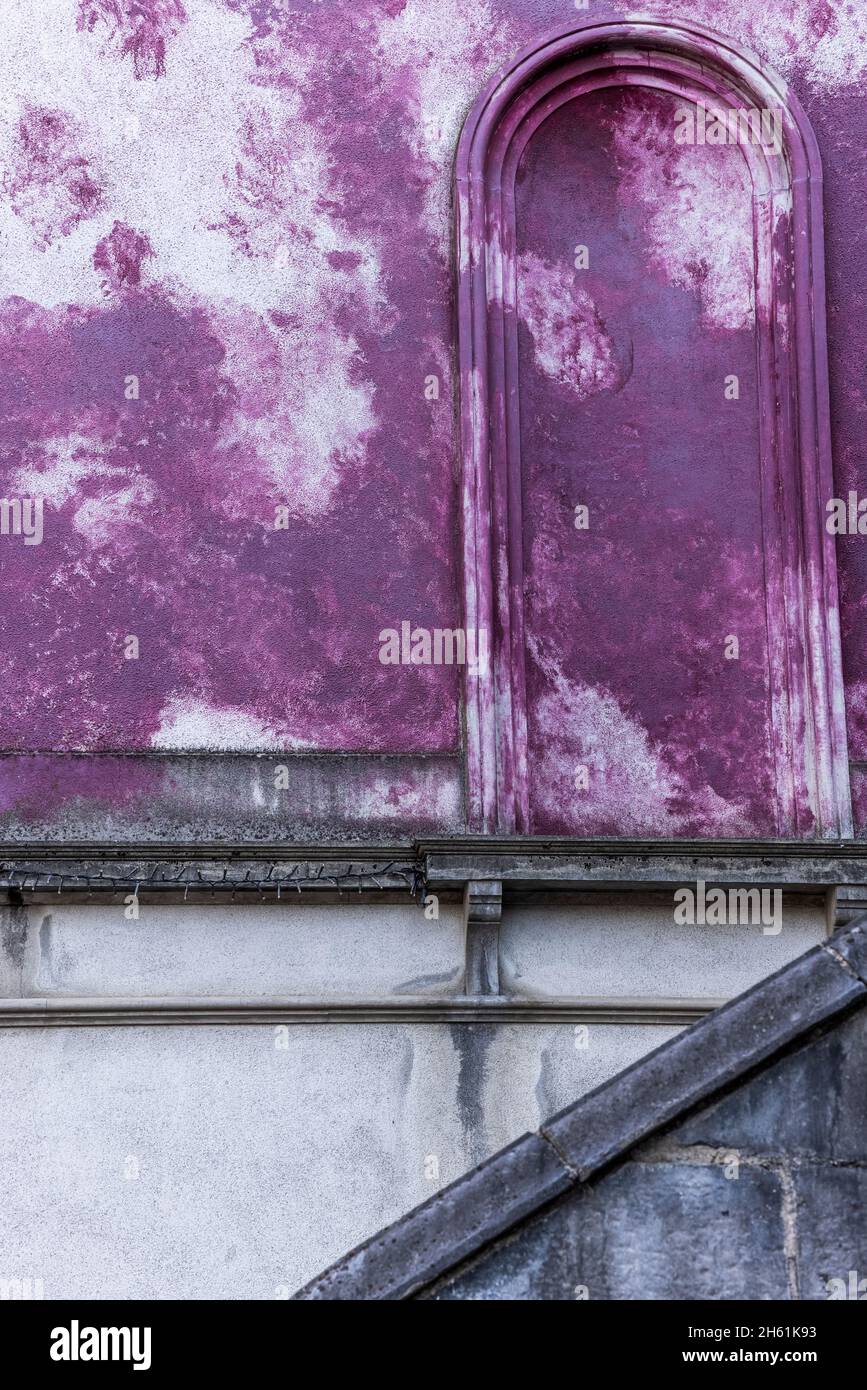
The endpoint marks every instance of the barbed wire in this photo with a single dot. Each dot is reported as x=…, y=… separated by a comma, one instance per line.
x=161, y=876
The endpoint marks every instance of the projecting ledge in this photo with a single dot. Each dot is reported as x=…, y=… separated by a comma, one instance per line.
x=165, y=1011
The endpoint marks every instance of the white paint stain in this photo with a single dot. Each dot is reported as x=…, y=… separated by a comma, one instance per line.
x=187, y=723
x=440, y=53
x=629, y=781
x=570, y=343
x=66, y=462
x=826, y=44
x=102, y=520
x=300, y=417
x=698, y=206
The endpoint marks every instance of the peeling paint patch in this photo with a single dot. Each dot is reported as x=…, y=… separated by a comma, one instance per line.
x=698, y=211
x=50, y=181
x=570, y=342
x=118, y=258
x=630, y=787
x=436, y=55
x=139, y=29
x=822, y=41
x=106, y=521
x=63, y=463
x=186, y=723
x=301, y=414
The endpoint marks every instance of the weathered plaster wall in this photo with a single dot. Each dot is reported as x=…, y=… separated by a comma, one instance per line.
x=211, y=1163
x=308, y=952
x=226, y=289
x=628, y=945
x=238, y=1160
x=623, y=367
x=245, y=205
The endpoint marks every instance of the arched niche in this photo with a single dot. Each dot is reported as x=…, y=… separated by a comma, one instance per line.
x=805, y=791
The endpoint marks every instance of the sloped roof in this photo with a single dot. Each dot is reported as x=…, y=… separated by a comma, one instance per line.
x=575, y=1146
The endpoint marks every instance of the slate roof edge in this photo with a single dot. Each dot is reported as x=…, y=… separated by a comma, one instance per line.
x=575, y=1145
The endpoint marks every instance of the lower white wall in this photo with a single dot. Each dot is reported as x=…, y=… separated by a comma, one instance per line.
x=299, y=949
x=236, y=1161
x=629, y=944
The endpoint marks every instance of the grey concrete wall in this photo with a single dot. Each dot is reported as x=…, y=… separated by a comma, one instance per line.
x=762, y=1195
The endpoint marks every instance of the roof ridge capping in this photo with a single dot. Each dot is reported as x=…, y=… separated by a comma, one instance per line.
x=576, y=1144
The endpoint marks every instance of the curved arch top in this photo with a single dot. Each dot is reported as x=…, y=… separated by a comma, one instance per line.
x=724, y=65
x=695, y=64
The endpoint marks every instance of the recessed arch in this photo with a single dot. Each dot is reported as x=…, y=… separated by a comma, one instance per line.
x=810, y=770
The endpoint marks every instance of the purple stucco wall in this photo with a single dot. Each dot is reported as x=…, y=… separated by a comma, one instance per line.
x=228, y=302
x=624, y=411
